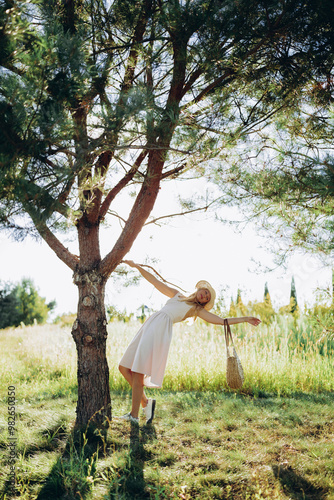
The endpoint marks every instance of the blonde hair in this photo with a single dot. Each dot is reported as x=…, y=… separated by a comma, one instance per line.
x=192, y=301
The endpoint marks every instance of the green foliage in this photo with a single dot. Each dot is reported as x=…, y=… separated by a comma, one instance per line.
x=219, y=307
x=290, y=185
x=114, y=315
x=22, y=304
x=241, y=308
x=263, y=310
x=284, y=174
x=144, y=313
x=291, y=308
x=65, y=320
x=321, y=320
x=84, y=82
x=237, y=308
x=8, y=306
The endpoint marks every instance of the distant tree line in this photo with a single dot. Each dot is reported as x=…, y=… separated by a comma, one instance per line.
x=141, y=314
x=113, y=314
x=264, y=309
x=21, y=303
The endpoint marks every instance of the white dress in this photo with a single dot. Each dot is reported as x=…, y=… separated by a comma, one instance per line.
x=148, y=351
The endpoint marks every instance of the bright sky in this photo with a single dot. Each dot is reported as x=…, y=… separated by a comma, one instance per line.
x=188, y=249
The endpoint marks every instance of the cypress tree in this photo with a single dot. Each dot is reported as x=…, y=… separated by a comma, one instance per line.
x=267, y=298
x=232, y=311
x=293, y=297
x=240, y=306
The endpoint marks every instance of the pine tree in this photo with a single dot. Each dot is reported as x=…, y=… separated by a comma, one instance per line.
x=8, y=307
x=22, y=304
x=285, y=175
x=101, y=98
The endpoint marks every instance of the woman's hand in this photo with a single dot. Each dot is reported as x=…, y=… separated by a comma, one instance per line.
x=253, y=321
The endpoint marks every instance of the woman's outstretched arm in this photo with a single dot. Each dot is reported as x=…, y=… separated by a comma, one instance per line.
x=217, y=320
x=159, y=285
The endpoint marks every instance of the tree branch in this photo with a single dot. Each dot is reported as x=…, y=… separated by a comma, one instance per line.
x=35, y=192
x=228, y=73
x=62, y=252
x=66, y=191
x=175, y=171
x=121, y=184
x=114, y=214
x=200, y=209
x=147, y=195
x=140, y=211
x=106, y=157
x=199, y=71
x=209, y=88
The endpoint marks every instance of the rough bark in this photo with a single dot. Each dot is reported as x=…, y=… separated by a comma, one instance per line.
x=90, y=335
x=90, y=330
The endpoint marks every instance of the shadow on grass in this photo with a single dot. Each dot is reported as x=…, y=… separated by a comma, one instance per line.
x=72, y=475
x=129, y=482
x=260, y=396
x=317, y=398
x=52, y=438
x=296, y=486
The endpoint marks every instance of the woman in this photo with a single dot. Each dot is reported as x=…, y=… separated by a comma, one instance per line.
x=144, y=361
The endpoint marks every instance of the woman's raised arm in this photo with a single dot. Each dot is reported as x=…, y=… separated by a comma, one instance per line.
x=217, y=320
x=159, y=285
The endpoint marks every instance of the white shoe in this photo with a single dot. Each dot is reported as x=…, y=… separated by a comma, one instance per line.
x=129, y=418
x=149, y=410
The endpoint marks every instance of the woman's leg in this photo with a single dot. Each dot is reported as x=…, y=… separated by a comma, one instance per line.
x=137, y=392
x=128, y=375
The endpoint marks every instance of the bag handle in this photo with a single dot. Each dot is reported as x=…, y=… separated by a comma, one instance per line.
x=228, y=334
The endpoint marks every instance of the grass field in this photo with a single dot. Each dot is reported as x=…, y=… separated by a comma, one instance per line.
x=273, y=439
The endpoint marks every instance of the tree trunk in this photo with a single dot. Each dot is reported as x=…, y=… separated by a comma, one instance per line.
x=90, y=336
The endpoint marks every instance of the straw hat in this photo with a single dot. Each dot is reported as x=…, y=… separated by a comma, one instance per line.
x=206, y=284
